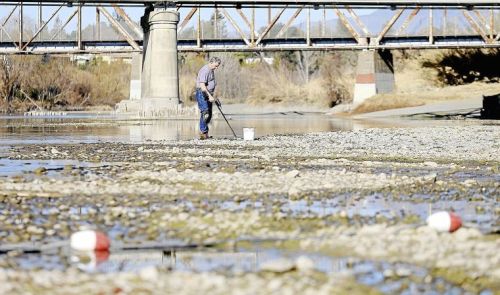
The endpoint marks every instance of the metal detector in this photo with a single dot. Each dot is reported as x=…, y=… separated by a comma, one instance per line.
x=218, y=104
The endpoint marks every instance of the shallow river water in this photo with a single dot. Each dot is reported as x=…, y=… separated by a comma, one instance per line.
x=89, y=128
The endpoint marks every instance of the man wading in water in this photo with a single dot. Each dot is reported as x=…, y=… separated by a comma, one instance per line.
x=205, y=87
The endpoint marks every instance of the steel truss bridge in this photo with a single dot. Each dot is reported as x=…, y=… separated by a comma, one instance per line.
x=36, y=27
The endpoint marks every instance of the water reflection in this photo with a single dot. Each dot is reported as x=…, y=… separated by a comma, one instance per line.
x=386, y=277
x=70, y=129
x=199, y=261
x=54, y=168
x=89, y=261
x=188, y=129
x=87, y=129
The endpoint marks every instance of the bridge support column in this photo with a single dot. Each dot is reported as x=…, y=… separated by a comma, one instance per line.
x=375, y=74
x=135, y=77
x=154, y=83
x=160, y=78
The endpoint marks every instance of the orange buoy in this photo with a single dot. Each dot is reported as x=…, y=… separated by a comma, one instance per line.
x=444, y=221
x=89, y=240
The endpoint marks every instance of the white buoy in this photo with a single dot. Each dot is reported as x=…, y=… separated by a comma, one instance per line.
x=444, y=221
x=89, y=240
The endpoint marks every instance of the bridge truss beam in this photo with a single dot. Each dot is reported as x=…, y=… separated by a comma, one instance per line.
x=483, y=30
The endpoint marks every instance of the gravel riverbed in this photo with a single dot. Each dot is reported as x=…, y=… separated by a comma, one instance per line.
x=359, y=194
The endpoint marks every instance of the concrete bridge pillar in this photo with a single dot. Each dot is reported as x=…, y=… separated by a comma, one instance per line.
x=375, y=74
x=135, y=77
x=160, y=78
x=154, y=79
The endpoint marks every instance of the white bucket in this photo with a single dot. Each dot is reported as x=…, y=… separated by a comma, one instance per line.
x=248, y=133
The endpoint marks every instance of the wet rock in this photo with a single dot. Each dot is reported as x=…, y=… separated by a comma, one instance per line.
x=343, y=214
x=275, y=285
x=430, y=177
x=293, y=174
x=183, y=216
x=403, y=272
x=34, y=230
x=149, y=274
x=431, y=164
x=470, y=182
x=279, y=265
x=40, y=170
x=463, y=234
x=479, y=209
x=304, y=264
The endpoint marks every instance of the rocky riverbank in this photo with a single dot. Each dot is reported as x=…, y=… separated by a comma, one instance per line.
x=362, y=194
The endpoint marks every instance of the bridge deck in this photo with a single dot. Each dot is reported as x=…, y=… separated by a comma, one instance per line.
x=232, y=45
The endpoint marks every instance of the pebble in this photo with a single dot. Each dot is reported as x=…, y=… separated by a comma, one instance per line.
x=470, y=182
x=463, y=234
x=304, y=264
x=149, y=274
x=431, y=164
x=403, y=272
x=279, y=265
x=293, y=174
x=40, y=170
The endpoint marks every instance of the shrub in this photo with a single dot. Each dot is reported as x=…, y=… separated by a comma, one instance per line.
x=30, y=82
x=463, y=66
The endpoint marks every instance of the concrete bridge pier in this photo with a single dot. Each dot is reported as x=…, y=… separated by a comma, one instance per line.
x=375, y=74
x=160, y=77
x=135, y=76
x=154, y=87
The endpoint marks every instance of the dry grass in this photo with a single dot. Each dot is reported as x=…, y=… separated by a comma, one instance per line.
x=186, y=88
x=188, y=69
x=109, y=82
x=426, y=96
x=277, y=88
x=385, y=102
x=31, y=82
x=278, y=84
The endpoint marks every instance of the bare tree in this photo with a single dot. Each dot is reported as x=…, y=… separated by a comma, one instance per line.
x=307, y=64
x=233, y=82
x=9, y=80
x=337, y=70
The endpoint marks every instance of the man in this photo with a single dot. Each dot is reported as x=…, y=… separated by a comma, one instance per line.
x=205, y=87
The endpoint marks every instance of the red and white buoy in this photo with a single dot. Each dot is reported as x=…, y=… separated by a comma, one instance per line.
x=444, y=221
x=89, y=240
